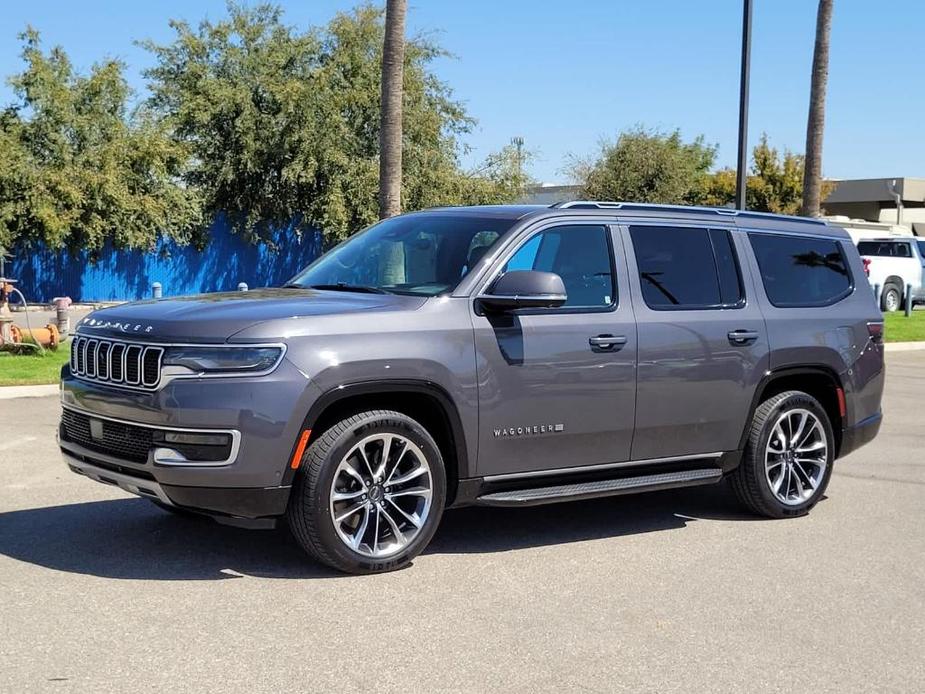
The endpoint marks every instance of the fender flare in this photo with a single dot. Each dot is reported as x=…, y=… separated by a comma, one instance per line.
x=770, y=377
x=349, y=390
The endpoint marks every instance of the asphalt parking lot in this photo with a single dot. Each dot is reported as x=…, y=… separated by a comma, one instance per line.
x=668, y=592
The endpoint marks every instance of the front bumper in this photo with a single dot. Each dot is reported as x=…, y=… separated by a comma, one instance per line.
x=263, y=414
x=263, y=417
x=223, y=503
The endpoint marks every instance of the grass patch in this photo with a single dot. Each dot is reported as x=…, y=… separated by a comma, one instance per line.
x=32, y=368
x=898, y=328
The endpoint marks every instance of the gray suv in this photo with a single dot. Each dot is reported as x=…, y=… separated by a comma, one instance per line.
x=496, y=356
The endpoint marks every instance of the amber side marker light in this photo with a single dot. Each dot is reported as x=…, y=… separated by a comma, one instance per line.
x=300, y=449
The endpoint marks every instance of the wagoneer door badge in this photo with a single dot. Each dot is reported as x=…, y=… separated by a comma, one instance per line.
x=530, y=430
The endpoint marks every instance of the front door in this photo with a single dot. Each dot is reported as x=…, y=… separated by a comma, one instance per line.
x=553, y=391
x=703, y=345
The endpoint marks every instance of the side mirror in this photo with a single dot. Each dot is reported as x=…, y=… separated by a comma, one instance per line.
x=524, y=289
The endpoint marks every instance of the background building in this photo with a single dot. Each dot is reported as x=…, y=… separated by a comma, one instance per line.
x=887, y=200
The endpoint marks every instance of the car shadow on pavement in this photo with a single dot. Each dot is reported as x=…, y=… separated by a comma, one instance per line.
x=133, y=539
x=482, y=529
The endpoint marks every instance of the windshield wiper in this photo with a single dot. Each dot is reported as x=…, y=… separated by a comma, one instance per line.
x=344, y=287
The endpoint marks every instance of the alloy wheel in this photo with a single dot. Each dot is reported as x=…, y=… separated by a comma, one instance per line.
x=381, y=495
x=796, y=456
x=891, y=301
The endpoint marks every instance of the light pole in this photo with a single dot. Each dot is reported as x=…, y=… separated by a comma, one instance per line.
x=741, y=166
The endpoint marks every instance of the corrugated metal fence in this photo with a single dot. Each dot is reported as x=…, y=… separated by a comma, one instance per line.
x=127, y=275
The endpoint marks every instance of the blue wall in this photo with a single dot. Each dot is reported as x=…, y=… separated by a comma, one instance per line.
x=128, y=275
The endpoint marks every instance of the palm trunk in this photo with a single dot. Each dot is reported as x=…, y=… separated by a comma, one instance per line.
x=815, y=125
x=390, y=130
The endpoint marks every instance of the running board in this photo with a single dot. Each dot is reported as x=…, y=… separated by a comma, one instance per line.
x=590, y=490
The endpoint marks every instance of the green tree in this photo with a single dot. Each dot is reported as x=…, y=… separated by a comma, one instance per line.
x=646, y=165
x=283, y=125
x=775, y=182
x=77, y=169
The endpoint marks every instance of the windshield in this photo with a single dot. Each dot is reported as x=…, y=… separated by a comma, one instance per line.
x=424, y=254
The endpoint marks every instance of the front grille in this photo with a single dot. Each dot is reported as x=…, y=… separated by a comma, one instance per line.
x=119, y=363
x=114, y=438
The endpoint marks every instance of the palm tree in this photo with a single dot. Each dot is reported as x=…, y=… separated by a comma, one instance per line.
x=815, y=124
x=390, y=130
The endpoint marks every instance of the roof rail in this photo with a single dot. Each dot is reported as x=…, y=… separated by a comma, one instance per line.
x=686, y=209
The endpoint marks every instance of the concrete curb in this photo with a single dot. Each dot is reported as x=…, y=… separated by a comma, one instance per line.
x=10, y=392
x=903, y=346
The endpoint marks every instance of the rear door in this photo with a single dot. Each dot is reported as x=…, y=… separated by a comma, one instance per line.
x=703, y=346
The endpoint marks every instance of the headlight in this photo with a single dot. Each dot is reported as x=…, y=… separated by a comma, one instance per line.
x=223, y=359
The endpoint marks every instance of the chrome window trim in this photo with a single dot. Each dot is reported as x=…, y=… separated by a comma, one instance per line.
x=232, y=454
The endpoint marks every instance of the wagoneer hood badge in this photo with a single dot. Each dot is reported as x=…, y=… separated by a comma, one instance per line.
x=116, y=326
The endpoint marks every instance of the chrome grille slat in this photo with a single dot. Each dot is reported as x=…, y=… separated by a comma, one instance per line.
x=117, y=363
x=90, y=357
x=125, y=364
x=133, y=354
x=102, y=360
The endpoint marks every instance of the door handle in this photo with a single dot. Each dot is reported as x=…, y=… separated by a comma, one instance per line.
x=607, y=341
x=742, y=337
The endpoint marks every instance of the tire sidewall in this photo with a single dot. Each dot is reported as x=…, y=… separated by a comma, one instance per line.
x=321, y=491
x=891, y=288
x=759, y=446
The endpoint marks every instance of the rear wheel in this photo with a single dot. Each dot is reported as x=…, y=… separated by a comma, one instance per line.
x=369, y=493
x=788, y=458
x=891, y=299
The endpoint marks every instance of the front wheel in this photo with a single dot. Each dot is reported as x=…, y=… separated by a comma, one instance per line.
x=369, y=493
x=788, y=458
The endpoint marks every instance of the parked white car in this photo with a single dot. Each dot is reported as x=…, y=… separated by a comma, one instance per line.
x=893, y=264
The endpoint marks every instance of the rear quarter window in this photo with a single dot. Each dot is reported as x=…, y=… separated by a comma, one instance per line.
x=798, y=271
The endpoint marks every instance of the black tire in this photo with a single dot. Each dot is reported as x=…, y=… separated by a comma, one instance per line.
x=750, y=480
x=309, y=514
x=891, y=298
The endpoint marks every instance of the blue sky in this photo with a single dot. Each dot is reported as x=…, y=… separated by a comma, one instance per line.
x=565, y=75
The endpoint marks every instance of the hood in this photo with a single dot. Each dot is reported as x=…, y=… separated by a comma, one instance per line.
x=216, y=317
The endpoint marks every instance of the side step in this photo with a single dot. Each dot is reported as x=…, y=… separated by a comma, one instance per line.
x=590, y=490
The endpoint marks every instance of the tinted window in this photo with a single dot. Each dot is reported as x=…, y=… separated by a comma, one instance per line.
x=800, y=271
x=682, y=268
x=580, y=255
x=885, y=248
x=921, y=248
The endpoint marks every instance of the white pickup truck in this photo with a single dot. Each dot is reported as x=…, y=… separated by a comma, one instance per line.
x=893, y=264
